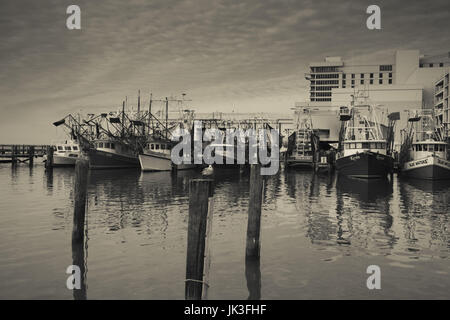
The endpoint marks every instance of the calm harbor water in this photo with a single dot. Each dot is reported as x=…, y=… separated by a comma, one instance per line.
x=319, y=234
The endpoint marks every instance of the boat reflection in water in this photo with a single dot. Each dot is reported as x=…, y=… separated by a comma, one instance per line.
x=365, y=190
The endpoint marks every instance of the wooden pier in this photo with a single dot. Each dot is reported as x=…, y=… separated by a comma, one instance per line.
x=21, y=153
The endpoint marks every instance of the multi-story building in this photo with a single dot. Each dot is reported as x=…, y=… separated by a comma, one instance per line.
x=335, y=73
x=441, y=105
x=400, y=81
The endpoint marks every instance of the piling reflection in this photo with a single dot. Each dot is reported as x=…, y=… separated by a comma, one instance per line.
x=253, y=277
x=79, y=255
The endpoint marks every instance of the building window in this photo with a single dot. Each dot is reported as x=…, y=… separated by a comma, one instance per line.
x=371, y=75
x=343, y=76
x=353, y=76
x=390, y=81
x=441, y=64
x=353, y=82
x=362, y=75
x=380, y=81
x=421, y=65
x=371, y=81
x=324, y=69
x=386, y=67
x=362, y=81
x=343, y=82
x=431, y=65
x=390, y=74
x=381, y=75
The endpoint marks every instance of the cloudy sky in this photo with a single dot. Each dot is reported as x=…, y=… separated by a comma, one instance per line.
x=241, y=55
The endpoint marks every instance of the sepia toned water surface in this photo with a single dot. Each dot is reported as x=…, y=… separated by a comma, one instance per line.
x=319, y=233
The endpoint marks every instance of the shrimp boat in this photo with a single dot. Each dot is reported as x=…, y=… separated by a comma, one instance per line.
x=66, y=154
x=364, y=145
x=112, y=154
x=156, y=157
x=424, y=154
x=300, y=153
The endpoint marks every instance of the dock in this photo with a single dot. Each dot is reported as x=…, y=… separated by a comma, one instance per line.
x=20, y=153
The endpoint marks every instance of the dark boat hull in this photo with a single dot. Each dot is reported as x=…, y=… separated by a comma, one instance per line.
x=107, y=160
x=365, y=165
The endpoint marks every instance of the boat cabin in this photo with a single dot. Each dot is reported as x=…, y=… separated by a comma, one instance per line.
x=113, y=147
x=354, y=146
x=67, y=149
x=423, y=149
x=159, y=146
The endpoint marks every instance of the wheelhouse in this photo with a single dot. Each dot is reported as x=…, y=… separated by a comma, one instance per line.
x=67, y=149
x=355, y=146
x=422, y=149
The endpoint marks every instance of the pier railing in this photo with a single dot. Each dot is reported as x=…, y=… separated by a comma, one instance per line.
x=21, y=150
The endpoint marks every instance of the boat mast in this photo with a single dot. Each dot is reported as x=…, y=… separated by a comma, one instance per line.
x=167, y=116
x=139, y=103
x=123, y=117
x=150, y=122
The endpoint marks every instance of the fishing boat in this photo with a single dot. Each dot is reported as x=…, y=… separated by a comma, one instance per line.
x=112, y=154
x=156, y=157
x=300, y=153
x=229, y=155
x=424, y=154
x=66, y=153
x=364, y=149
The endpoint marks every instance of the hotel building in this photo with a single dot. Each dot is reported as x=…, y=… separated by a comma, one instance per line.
x=441, y=97
x=403, y=80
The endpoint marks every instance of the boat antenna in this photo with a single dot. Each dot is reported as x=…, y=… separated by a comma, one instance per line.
x=139, y=102
x=167, y=115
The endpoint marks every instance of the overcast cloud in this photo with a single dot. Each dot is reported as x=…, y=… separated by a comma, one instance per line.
x=242, y=55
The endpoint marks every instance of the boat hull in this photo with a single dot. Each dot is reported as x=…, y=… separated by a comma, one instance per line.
x=305, y=162
x=160, y=162
x=299, y=164
x=365, y=165
x=108, y=160
x=430, y=168
x=60, y=161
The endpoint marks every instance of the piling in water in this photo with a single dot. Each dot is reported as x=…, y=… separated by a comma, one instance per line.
x=200, y=190
x=81, y=175
x=49, y=162
x=254, y=211
x=79, y=214
x=30, y=155
x=13, y=155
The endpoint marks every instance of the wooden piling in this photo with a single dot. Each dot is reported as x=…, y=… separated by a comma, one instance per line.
x=30, y=155
x=79, y=213
x=81, y=174
x=200, y=190
x=254, y=211
x=13, y=155
x=49, y=162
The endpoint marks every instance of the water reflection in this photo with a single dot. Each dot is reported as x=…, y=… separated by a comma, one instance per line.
x=253, y=277
x=79, y=255
x=138, y=222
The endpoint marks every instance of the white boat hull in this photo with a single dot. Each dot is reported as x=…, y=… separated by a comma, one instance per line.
x=160, y=162
x=62, y=161
x=430, y=168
